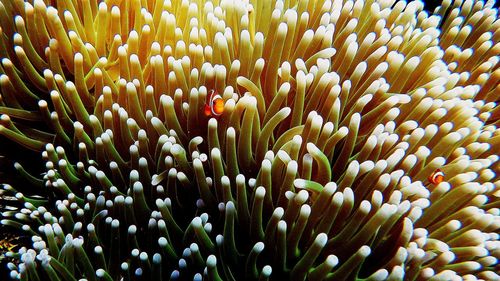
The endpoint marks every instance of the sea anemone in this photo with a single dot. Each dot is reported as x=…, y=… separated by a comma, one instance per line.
x=330, y=117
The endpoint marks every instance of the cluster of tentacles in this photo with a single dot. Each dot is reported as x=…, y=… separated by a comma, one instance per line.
x=335, y=114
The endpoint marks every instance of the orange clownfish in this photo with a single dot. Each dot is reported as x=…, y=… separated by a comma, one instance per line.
x=214, y=105
x=436, y=177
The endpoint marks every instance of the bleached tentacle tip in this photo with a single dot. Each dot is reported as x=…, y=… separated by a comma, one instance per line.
x=311, y=148
x=260, y=192
x=267, y=271
x=211, y=261
x=299, y=183
x=364, y=251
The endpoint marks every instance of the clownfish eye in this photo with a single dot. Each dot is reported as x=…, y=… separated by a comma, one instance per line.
x=436, y=177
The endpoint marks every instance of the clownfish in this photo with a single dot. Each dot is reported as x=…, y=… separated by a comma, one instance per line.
x=214, y=106
x=436, y=177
